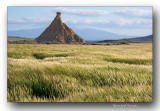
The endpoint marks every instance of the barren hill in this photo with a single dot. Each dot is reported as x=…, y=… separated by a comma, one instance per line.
x=58, y=32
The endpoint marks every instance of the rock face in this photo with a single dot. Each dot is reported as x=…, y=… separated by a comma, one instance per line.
x=58, y=32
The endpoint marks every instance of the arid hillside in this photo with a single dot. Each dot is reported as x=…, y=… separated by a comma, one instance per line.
x=58, y=32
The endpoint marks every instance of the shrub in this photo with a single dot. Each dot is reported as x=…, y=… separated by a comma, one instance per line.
x=41, y=55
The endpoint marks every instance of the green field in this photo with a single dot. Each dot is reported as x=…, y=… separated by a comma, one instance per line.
x=11, y=38
x=79, y=73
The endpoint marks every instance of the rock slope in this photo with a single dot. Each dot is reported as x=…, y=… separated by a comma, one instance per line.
x=58, y=32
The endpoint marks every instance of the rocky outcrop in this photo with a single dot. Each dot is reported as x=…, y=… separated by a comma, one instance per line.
x=58, y=32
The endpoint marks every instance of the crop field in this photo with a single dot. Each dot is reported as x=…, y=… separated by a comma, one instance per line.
x=79, y=73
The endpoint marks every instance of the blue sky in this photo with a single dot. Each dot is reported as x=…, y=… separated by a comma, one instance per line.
x=130, y=21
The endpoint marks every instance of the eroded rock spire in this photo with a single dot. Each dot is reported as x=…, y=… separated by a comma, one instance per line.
x=58, y=32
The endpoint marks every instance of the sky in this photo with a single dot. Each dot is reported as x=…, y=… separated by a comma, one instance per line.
x=129, y=21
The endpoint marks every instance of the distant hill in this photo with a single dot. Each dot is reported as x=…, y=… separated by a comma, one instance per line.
x=96, y=35
x=146, y=38
x=87, y=34
x=131, y=40
x=90, y=35
x=30, y=33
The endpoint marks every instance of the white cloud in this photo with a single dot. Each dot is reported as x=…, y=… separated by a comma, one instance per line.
x=126, y=12
x=91, y=21
x=70, y=20
x=126, y=18
x=123, y=22
x=80, y=11
x=17, y=20
x=26, y=20
x=86, y=21
x=144, y=21
x=134, y=13
x=134, y=23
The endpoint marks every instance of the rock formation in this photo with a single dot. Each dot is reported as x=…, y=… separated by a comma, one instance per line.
x=58, y=32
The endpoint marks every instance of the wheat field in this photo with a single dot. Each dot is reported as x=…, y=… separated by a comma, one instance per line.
x=79, y=73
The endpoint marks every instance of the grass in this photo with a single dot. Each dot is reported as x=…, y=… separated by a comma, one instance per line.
x=41, y=55
x=12, y=38
x=45, y=55
x=79, y=73
x=129, y=61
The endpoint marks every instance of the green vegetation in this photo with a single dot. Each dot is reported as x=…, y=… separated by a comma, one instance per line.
x=20, y=40
x=130, y=61
x=11, y=38
x=79, y=73
x=41, y=55
x=45, y=55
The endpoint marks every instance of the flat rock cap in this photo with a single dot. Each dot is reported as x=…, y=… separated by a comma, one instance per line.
x=58, y=13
